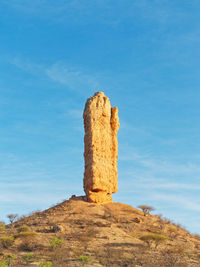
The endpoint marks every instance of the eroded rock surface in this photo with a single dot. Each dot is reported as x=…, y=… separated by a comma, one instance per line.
x=101, y=123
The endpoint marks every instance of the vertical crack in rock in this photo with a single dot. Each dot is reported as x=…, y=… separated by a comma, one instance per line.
x=101, y=123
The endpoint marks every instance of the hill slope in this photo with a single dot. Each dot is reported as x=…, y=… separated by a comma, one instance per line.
x=111, y=234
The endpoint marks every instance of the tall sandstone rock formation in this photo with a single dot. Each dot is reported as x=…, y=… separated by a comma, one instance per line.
x=101, y=123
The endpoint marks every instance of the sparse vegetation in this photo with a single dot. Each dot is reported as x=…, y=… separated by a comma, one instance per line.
x=59, y=256
x=7, y=241
x=3, y=263
x=56, y=242
x=173, y=231
x=8, y=260
x=12, y=217
x=109, y=235
x=2, y=226
x=153, y=238
x=28, y=258
x=28, y=242
x=146, y=209
x=26, y=235
x=174, y=257
x=84, y=259
x=197, y=236
x=45, y=264
x=23, y=228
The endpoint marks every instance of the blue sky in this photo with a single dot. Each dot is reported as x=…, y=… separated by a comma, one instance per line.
x=144, y=55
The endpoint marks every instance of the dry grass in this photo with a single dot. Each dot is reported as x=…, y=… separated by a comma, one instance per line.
x=99, y=235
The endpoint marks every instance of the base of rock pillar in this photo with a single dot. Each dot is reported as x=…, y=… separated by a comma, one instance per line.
x=99, y=197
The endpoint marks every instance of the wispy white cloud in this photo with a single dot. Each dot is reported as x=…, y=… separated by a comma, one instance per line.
x=20, y=197
x=159, y=165
x=75, y=113
x=64, y=10
x=178, y=200
x=146, y=183
x=163, y=11
x=25, y=65
x=74, y=78
x=170, y=186
x=125, y=126
x=160, y=182
x=109, y=12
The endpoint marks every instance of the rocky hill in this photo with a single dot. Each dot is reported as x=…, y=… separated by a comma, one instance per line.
x=78, y=233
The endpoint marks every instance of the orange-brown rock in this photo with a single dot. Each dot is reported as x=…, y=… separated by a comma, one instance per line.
x=101, y=123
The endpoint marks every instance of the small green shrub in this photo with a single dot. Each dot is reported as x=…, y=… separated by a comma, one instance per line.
x=7, y=241
x=3, y=263
x=28, y=241
x=2, y=226
x=56, y=242
x=23, y=228
x=173, y=231
x=153, y=238
x=10, y=258
x=26, y=234
x=45, y=264
x=28, y=258
x=84, y=259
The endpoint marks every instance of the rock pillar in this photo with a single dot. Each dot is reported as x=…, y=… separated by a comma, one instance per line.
x=101, y=123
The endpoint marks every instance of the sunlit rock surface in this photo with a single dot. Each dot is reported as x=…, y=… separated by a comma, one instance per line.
x=101, y=123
